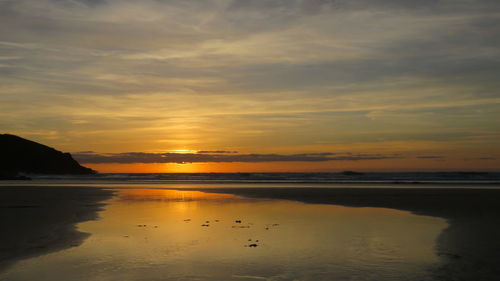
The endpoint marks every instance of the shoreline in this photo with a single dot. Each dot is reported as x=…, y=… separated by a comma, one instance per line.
x=38, y=221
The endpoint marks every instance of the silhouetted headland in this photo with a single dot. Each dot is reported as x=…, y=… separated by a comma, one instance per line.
x=22, y=156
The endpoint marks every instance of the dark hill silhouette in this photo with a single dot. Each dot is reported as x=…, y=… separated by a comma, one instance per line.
x=18, y=155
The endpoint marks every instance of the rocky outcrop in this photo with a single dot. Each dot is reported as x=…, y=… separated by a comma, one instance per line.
x=18, y=155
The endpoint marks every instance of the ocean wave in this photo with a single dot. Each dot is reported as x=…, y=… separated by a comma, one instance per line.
x=342, y=177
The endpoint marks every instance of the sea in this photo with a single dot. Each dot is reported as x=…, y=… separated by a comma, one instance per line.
x=340, y=179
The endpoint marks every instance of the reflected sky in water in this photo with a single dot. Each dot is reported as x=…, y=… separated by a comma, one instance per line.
x=189, y=235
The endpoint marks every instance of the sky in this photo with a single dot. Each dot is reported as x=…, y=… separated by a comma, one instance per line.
x=255, y=85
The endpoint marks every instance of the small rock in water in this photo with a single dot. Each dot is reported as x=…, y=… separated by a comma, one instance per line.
x=253, y=245
x=187, y=220
x=205, y=225
x=237, y=221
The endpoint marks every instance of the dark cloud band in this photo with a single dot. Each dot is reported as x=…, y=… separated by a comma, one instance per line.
x=141, y=157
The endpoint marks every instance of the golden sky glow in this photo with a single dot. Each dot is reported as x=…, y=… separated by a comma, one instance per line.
x=413, y=85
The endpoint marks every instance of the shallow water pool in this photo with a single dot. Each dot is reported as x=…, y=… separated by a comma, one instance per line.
x=147, y=234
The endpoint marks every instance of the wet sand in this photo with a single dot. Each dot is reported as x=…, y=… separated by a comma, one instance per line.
x=470, y=246
x=40, y=220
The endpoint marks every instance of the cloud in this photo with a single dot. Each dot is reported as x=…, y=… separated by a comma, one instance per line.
x=252, y=75
x=142, y=157
x=9, y=58
x=431, y=157
x=216, y=152
x=84, y=152
x=480, y=159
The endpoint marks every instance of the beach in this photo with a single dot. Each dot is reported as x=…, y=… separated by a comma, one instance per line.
x=470, y=244
x=40, y=220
